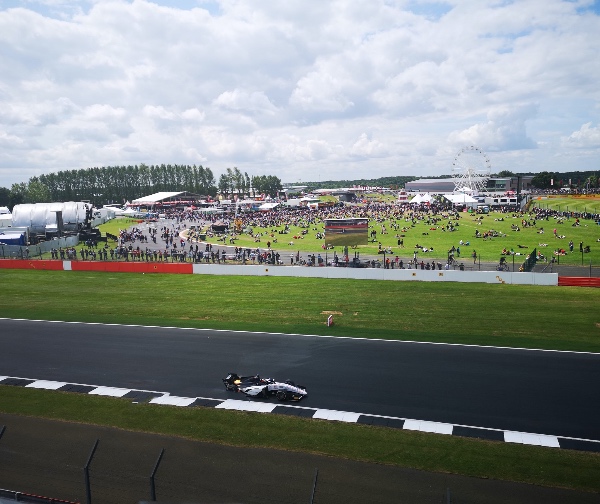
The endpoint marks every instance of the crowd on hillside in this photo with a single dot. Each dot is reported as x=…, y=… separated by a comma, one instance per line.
x=180, y=238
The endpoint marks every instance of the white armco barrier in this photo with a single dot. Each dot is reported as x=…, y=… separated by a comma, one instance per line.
x=491, y=277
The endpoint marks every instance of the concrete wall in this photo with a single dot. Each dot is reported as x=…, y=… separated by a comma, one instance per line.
x=381, y=274
x=490, y=277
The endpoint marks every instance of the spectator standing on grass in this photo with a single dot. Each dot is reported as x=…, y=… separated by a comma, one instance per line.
x=474, y=254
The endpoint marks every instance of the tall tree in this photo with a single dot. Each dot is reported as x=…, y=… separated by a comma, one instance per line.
x=4, y=196
x=17, y=194
x=223, y=184
x=545, y=180
x=247, y=183
x=37, y=192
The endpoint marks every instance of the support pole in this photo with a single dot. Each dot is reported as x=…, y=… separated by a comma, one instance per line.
x=86, y=473
x=314, y=490
x=152, y=487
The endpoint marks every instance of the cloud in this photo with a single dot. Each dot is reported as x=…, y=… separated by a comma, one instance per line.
x=321, y=92
x=504, y=130
x=367, y=147
x=247, y=102
x=348, y=89
x=586, y=137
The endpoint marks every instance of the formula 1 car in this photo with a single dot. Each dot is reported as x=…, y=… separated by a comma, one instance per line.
x=235, y=382
x=254, y=386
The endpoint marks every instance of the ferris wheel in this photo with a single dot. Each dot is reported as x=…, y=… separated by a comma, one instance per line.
x=471, y=170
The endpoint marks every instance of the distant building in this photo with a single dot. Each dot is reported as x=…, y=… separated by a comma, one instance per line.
x=504, y=184
x=494, y=184
x=346, y=196
x=430, y=185
x=402, y=197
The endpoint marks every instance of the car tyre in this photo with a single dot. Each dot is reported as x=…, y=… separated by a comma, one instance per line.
x=281, y=395
x=265, y=392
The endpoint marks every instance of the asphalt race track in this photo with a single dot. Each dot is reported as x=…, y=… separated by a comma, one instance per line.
x=544, y=392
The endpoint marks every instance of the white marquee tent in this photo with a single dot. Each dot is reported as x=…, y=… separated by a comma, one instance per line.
x=461, y=199
x=421, y=198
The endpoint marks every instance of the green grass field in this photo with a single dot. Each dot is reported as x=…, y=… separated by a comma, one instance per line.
x=431, y=452
x=504, y=315
x=559, y=318
x=433, y=236
x=565, y=203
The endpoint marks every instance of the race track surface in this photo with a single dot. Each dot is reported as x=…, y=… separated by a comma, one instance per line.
x=553, y=393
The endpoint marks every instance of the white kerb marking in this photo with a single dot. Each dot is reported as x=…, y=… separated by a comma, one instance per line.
x=235, y=404
x=173, y=400
x=423, y=426
x=110, y=391
x=531, y=439
x=340, y=416
x=47, y=385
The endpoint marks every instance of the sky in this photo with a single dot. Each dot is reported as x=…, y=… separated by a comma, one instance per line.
x=306, y=90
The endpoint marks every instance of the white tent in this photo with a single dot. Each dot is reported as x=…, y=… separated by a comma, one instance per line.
x=421, y=198
x=461, y=199
x=5, y=220
x=5, y=217
x=267, y=206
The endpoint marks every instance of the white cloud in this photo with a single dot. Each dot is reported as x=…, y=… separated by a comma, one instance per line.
x=250, y=102
x=321, y=92
x=302, y=88
x=367, y=147
x=586, y=137
x=504, y=130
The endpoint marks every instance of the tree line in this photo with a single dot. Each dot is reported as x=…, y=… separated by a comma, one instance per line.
x=118, y=184
x=587, y=180
x=235, y=183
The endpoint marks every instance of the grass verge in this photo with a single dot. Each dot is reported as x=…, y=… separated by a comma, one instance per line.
x=502, y=315
x=481, y=314
x=430, y=452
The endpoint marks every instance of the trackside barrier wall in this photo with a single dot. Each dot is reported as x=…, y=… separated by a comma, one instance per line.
x=490, y=277
x=128, y=267
x=381, y=274
x=579, y=282
x=31, y=264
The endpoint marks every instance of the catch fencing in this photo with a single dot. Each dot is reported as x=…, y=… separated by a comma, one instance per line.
x=129, y=467
x=36, y=251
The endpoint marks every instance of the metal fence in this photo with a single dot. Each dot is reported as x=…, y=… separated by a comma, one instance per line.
x=130, y=468
x=7, y=496
x=35, y=251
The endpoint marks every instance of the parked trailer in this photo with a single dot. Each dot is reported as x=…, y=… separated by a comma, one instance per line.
x=501, y=201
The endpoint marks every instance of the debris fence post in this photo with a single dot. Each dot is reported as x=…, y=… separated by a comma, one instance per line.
x=86, y=473
x=314, y=490
x=152, y=487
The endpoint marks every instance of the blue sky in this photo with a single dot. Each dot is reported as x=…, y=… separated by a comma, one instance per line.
x=301, y=89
